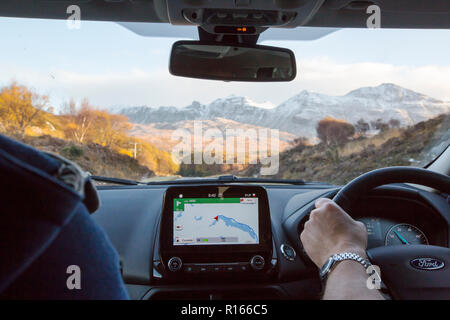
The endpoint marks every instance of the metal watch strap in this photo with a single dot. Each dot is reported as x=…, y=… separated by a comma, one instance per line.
x=351, y=256
x=332, y=261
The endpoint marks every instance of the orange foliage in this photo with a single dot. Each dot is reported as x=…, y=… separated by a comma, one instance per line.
x=20, y=108
x=82, y=123
x=87, y=124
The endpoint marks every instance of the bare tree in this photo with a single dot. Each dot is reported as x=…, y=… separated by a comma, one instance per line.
x=80, y=120
x=362, y=126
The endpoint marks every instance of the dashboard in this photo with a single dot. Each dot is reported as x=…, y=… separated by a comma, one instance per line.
x=241, y=241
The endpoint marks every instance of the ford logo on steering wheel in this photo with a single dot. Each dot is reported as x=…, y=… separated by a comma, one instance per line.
x=427, y=264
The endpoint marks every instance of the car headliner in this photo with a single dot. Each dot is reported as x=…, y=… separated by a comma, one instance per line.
x=319, y=13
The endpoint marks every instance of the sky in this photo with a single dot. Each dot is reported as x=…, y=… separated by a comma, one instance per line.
x=112, y=66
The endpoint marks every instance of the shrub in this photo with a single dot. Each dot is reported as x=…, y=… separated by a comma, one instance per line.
x=380, y=125
x=72, y=152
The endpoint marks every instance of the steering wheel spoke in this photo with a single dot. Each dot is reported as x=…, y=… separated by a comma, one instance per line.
x=414, y=271
x=408, y=271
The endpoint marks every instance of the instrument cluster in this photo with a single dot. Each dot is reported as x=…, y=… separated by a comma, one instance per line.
x=399, y=221
x=384, y=232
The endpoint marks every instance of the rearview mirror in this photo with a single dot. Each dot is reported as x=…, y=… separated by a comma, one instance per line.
x=231, y=62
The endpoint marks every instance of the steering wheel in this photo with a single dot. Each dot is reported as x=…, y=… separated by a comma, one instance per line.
x=408, y=271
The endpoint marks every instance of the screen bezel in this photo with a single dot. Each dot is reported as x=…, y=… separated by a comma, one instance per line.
x=264, y=223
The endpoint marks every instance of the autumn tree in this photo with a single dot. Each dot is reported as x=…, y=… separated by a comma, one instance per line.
x=334, y=131
x=5, y=117
x=110, y=129
x=157, y=160
x=80, y=120
x=21, y=107
x=87, y=124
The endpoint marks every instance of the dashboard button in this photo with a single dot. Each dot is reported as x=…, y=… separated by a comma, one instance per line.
x=257, y=262
x=288, y=252
x=175, y=264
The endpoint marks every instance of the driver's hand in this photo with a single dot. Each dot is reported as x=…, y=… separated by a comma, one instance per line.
x=331, y=230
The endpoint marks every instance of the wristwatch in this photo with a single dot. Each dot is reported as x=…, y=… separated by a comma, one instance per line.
x=334, y=259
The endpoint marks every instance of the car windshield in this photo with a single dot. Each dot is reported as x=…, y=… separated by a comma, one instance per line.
x=101, y=95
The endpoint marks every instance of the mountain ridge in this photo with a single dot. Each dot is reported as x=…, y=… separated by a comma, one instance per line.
x=300, y=113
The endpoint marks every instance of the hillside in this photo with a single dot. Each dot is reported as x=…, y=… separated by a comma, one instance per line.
x=160, y=134
x=93, y=158
x=96, y=139
x=410, y=146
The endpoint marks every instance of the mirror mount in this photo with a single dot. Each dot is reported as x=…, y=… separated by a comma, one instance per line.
x=205, y=35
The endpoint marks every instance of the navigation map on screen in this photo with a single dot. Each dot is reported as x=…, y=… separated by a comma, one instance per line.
x=215, y=221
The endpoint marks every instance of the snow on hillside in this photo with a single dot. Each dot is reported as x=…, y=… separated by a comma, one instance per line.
x=299, y=114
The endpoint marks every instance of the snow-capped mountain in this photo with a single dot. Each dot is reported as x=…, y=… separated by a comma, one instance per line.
x=299, y=115
x=233, y=107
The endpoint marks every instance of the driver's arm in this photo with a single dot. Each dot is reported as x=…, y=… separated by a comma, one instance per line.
x=331, y=230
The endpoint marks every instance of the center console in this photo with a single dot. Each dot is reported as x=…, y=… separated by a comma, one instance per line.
x=206, y=230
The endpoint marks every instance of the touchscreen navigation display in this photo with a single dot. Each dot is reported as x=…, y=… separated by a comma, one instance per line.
x=215, y=221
